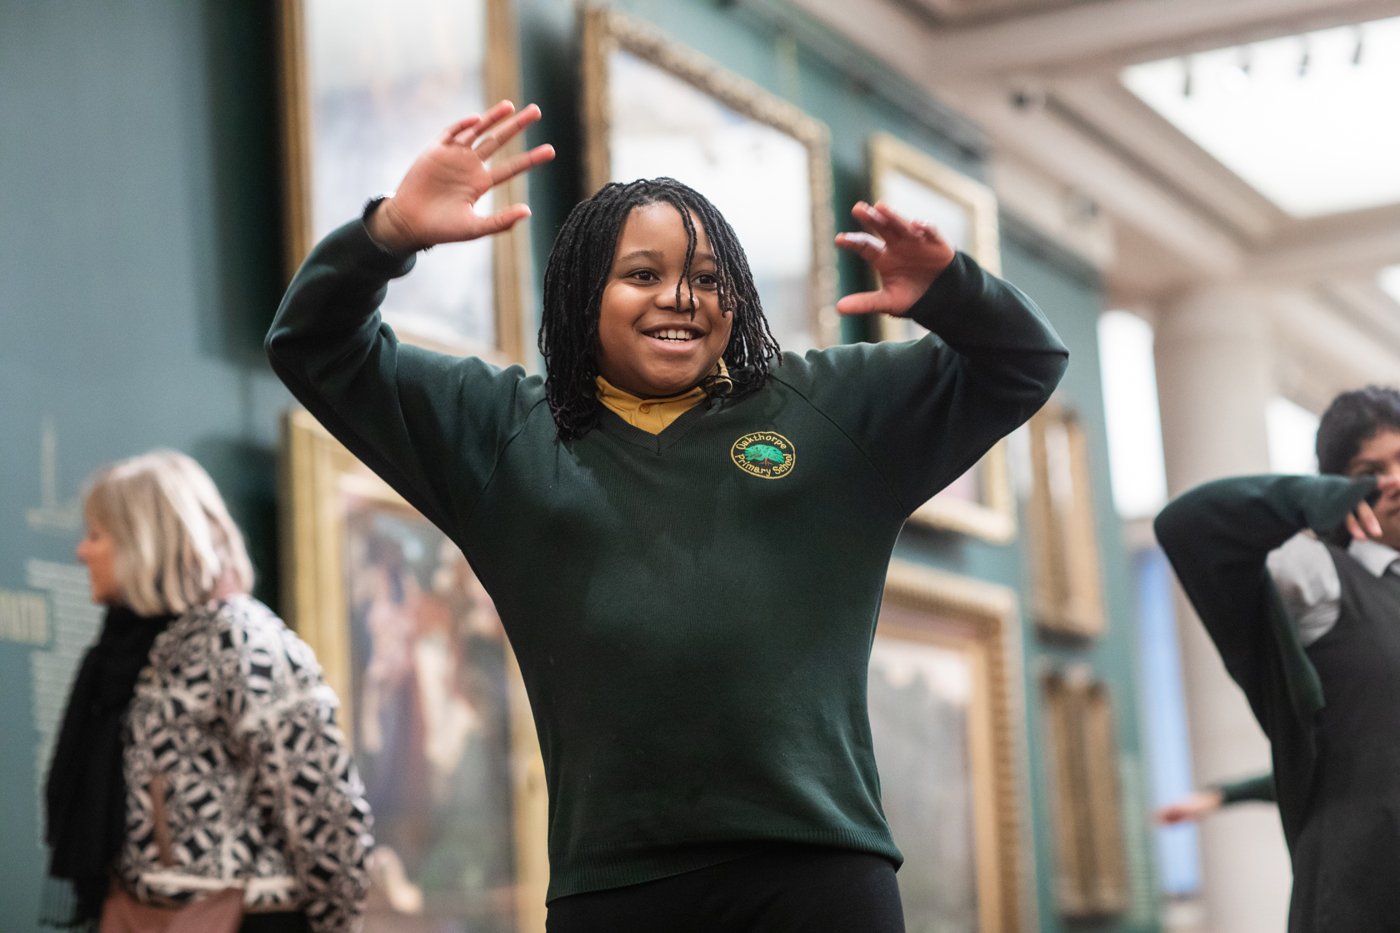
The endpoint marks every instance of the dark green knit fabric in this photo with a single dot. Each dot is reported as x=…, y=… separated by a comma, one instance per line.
x=1257, y=789
x=692, y=611
x=1218, y=537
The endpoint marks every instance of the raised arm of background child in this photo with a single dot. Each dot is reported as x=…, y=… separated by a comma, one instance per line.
x=389, y=403
x=1218, y=537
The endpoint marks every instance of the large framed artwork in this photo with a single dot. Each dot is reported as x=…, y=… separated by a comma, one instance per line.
x=653, y=107
x=947, y=721
x=1091, y=874
x=431, y=699
x=915, y=184
x=366, y=84
x=1068, y=582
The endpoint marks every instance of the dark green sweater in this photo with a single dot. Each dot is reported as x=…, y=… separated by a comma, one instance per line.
x=692, y=611
x=1257, y=789
x=1218, y=537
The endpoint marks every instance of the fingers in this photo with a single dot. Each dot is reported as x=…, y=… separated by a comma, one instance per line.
x=1168, y=815
x=883, y=222
x=461, y=126
x=493, y=138
x=1354, y=528
x=1367, y=518
x=864, y=303
x=503, y=220
x=486, y=121
x=515, y=165
x=865, y=245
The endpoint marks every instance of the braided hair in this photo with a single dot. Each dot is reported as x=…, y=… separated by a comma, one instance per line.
x=578, y=270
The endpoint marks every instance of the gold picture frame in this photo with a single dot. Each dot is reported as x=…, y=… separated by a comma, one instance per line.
x=948, y=723
x=1091, y=874
x=920, y=187
x=1068, y=579
x=612, y=40
x=965, y=210
x=328, y=501
x=507, y=268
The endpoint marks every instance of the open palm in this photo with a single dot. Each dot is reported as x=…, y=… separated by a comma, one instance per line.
x=907, y=255
x=436, y=201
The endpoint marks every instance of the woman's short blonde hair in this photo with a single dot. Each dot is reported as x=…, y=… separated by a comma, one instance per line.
x=173, y=541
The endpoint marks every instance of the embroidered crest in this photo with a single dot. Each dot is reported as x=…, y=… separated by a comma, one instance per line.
x=764, y=454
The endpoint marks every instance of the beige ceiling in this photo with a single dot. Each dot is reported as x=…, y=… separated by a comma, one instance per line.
x=1041, y=78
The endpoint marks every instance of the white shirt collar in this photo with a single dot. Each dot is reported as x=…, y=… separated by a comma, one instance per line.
x=1373, y=555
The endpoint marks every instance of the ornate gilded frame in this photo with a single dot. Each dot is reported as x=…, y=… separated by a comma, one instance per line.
x=891, y=154
x=1091, y=874
x=606, y=30
x=994, y=518
x=1068, y=579
x=315, y=472
x=982, y=619
x=511, y=250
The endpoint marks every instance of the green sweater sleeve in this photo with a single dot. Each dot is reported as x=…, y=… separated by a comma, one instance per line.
x=431, y=424
x=1218, y=537
x=923, y=412
x=1259, y=788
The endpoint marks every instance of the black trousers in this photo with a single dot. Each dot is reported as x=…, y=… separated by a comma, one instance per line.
x=782, y=889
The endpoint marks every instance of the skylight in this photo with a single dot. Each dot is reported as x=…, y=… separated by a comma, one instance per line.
x=1310, y=121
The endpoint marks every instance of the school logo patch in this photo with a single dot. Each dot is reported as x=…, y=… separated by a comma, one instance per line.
x=764, y=454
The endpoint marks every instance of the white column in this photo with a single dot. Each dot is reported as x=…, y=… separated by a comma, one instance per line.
x=1214, y=377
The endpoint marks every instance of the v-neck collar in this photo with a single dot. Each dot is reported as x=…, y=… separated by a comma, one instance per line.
x=617, y=426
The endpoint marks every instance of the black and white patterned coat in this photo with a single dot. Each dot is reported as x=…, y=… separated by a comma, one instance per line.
x=238, y=775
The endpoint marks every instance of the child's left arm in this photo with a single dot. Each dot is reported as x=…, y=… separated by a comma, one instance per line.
x=924, y=412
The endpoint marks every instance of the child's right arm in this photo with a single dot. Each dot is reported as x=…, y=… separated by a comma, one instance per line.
x=430, y=424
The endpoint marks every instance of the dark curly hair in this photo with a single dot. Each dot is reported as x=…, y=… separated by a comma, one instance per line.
x=579, y=265
x=1352, y=419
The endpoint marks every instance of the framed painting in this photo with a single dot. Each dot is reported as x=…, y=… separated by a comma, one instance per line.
x=1068, y=582
x=945, y=715
x=653, y=107
x=431, y=699
x=918, y=186
x=365, y=85
x=1091, y=875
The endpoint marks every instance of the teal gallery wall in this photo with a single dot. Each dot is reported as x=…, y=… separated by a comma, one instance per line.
x=140, y=265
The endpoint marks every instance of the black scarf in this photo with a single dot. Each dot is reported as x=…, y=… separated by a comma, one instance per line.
x=86, y=792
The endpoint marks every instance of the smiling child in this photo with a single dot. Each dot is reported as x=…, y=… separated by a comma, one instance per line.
x=685, y=532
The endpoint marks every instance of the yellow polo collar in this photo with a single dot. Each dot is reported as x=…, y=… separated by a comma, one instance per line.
x=652, y=415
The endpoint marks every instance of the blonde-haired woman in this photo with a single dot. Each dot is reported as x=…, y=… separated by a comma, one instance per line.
x=199, y=766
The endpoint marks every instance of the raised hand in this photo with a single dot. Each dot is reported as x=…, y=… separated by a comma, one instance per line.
x=436, y=201
x=908, y=255
x=1362, y=523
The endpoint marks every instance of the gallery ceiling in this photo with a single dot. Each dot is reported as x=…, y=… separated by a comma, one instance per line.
x=1280, y=171
x=965, y=12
